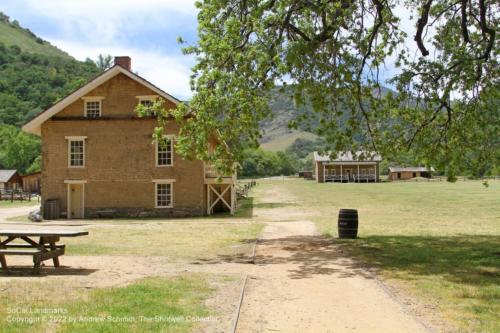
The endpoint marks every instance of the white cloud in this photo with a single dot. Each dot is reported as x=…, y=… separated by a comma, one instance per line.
x=102, y=21
x=170, y=73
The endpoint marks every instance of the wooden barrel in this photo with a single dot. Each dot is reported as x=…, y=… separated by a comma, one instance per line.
x=348, y=223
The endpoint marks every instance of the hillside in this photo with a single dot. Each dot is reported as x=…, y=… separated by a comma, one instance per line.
x=276, y=134
x=33, y=75
x=11, y=33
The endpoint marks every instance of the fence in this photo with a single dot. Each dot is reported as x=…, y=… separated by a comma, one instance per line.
x=17, y=195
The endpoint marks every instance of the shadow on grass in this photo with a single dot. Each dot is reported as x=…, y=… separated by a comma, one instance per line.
x=27, y=271
x=464, y=259
x=468, y=259
x=274, y=205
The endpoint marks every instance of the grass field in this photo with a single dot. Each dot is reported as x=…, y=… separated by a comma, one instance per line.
x=440, y=241
x=17, y=203
x=156, y=304
x=179, y=240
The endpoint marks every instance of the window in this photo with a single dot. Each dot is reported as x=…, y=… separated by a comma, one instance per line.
x=92, y=108
x=76, y=153
x=148, y=101
x=163, y=195
x=164, y=152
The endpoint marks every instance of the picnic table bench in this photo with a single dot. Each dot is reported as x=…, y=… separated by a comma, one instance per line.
x=39, y=242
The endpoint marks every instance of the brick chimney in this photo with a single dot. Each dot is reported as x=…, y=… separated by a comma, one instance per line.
x=125, y=62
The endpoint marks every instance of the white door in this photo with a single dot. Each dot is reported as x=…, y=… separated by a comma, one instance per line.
x=76, y=201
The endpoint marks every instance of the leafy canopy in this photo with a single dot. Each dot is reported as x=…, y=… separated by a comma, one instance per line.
x=334, y=53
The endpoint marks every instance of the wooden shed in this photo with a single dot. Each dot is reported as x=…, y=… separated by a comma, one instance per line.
x=10, y=180
x=405, y=173
x=346, y=167
x=31, y=182
x=306, y=174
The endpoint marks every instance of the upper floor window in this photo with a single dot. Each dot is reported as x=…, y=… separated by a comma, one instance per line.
x=93, y=107
x=148, y=101
x=76, y=152
x=165, y=152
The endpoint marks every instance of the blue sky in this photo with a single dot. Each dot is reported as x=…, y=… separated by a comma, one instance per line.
x=145, y=30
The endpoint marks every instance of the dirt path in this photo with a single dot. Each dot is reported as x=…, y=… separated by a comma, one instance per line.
x=15, y=211
x=302, y=283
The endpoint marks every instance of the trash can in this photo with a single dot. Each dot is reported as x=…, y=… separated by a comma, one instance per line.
x=51, y=209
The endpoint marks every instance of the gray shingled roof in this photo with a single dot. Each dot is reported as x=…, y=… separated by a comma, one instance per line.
x=348, y=157
x=5, y=175
x=409, y=169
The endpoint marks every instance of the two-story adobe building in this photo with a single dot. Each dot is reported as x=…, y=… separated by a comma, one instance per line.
x=98, y=156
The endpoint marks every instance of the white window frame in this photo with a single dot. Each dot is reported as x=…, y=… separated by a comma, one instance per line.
x=160, y=182
x=97, y=99
x=74, y=139
x=151, y=98
x=171, y=138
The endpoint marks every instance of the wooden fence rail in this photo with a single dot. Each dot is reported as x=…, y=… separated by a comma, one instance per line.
x=16, y=195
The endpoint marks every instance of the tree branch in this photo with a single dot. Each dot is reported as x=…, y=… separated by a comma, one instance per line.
x=463, y=22
x=421, y=23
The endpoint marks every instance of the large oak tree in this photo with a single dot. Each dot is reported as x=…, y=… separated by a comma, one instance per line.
x=439, y=56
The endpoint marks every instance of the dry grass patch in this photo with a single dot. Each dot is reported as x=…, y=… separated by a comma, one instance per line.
x=176, y=239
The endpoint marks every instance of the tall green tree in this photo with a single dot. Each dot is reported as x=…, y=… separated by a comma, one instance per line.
x=334, y=53
x=18, y=150
x=104, y=62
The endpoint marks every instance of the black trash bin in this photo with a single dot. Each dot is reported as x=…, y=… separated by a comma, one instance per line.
x=348, y=223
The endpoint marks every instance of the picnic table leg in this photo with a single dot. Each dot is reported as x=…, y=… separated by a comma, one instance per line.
x=3, y=262
x=55, y=259
x=36, y=263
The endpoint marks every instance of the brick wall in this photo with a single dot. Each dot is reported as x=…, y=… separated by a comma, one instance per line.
x=119, y=158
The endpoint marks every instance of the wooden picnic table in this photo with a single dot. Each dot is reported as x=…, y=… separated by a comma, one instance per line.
x=39, y=242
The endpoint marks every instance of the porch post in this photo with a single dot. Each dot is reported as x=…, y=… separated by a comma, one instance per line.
x=341, y=174
x=233, y=201
x=358, y=173
x=208, y=199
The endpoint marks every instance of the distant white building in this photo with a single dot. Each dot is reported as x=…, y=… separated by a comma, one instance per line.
x=363, y=166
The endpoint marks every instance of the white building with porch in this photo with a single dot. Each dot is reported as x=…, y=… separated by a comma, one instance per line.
x=346, y=167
